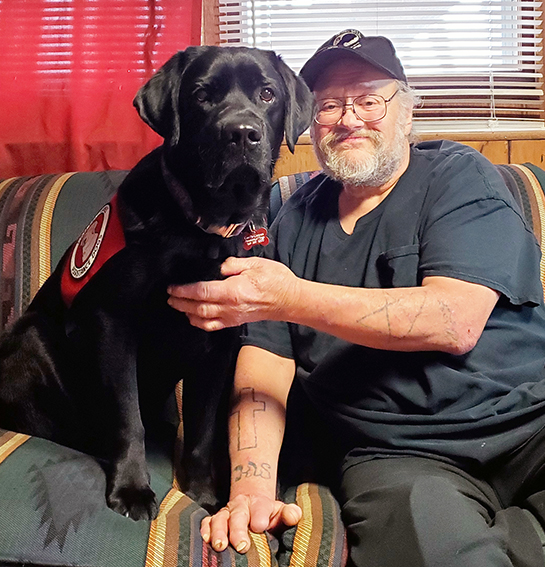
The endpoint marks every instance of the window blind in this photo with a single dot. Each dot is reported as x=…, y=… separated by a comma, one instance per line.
x=476, y=64
x=55, y=39
x=69, y=72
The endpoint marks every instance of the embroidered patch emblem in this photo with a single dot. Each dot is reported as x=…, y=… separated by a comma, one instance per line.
x=349, y=38
x=88, y=245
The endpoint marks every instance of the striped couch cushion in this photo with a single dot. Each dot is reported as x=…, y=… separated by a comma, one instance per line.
x=526, y=183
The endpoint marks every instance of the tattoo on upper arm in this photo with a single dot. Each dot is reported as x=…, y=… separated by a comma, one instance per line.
x=247, y=437
x=264, y=471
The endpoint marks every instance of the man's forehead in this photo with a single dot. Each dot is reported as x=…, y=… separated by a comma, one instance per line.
x=353, y=74
x=359, y=87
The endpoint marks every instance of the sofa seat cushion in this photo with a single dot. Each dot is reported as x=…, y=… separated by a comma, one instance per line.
x=53, y=512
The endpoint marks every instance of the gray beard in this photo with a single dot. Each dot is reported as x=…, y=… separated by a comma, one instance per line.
x=373, y=169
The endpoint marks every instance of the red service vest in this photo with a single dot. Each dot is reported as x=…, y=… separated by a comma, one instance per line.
x=101, y=240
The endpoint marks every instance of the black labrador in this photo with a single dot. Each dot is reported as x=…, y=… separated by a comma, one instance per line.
x=93, y=359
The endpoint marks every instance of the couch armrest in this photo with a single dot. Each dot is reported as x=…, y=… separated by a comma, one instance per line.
x=39, y=218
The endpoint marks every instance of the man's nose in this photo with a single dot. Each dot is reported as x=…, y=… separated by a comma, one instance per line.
x=349, y=119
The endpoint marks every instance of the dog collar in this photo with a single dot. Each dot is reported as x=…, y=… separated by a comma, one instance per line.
x=180, y=193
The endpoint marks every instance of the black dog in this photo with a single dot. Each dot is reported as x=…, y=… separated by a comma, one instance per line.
x=89, y=365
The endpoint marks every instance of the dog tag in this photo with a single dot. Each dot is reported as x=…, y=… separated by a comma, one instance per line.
x=256, y=237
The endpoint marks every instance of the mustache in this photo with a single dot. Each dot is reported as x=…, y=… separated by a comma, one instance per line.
x=332, y=139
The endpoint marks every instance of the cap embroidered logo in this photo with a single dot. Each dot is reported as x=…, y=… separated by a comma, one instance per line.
x=349, y=38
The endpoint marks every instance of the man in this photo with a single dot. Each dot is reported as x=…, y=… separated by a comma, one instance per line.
x=402, y=293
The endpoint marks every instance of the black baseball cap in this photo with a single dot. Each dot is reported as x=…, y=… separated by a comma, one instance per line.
x=375, y=50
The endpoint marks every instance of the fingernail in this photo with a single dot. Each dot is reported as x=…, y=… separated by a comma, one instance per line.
x=242, y=546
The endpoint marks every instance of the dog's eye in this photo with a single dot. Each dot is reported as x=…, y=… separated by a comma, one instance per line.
x=266, y=95
x=201, y=94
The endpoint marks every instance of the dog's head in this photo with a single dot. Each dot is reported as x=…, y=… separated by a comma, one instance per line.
x=223, y=113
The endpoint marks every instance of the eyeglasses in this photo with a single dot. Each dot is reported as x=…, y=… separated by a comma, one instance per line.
x=368, y=108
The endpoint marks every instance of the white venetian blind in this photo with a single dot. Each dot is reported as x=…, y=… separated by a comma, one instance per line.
x=476, y=64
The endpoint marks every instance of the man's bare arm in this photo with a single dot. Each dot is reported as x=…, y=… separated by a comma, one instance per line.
x=256, y=429
x=443, y=314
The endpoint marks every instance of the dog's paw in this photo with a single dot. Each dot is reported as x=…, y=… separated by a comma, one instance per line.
x=133, y=502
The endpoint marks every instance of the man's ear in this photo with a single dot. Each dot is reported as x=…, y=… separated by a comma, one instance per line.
x=299, y=102
x=157, y=100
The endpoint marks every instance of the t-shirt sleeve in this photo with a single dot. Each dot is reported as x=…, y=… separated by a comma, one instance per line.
x=475, y=232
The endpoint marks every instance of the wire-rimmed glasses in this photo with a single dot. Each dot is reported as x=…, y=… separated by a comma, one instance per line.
x=368, y=108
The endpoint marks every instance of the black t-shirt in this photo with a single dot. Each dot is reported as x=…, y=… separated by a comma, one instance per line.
x=450, y=214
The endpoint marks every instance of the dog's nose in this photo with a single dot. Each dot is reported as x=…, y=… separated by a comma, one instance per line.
x=244, y=135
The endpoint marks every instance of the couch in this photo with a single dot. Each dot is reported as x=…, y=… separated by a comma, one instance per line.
x=52, y=506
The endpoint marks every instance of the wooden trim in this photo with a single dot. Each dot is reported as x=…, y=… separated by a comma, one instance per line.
x=210, y=22
x=484, y=136
x=304, y=140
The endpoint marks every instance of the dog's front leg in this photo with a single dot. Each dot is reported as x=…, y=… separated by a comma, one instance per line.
x=205, y=407
x=111, y=344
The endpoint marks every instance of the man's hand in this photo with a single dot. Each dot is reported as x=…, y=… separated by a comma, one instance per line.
x=255, y=289
x=243, y=513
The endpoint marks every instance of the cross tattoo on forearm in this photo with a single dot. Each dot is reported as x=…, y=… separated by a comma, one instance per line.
x=247, y=437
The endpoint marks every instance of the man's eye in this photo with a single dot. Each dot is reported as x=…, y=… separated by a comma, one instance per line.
x=329, y=106
x=266, y=95
x=368, y=103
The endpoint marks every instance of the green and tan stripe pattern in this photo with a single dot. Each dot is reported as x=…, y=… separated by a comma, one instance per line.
x=9, y=442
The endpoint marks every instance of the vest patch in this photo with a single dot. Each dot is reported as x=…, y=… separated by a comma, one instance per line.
x=101, y=240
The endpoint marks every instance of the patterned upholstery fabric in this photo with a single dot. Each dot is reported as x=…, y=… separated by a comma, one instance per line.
x=52, y=506
x=526, y=183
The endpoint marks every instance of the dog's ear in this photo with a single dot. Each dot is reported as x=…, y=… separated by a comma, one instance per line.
x=299, y=102
x=157, y=100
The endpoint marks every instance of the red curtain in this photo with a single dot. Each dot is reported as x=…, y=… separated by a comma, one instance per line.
x=69, y=70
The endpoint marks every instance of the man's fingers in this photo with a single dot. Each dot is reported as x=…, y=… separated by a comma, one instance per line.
x=202, y=315
x=232, y=523
x=219, y=529
x=233, y=265
x=291, y=514
x=200, y=291
x=206, y=324
x=285, y=515
x=229, y=525
x=205, y=529
x=238, y=528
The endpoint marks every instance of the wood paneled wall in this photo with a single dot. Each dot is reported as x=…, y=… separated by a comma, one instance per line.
x=497, y=147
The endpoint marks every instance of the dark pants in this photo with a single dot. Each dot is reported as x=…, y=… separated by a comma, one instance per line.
x=419, y=512
x=422, y=512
